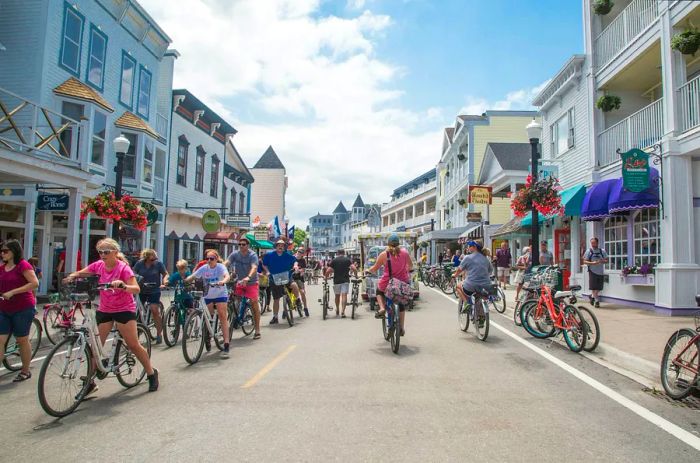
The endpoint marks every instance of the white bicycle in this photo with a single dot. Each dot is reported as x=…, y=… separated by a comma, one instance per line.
x=200, y=327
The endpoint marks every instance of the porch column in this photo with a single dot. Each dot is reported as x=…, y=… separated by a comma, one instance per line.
x=108, y=228
x=146, y=238
x=575, y=246
x=73, y=231
x=413, y=215
x=671, y=64
x=160, y=241
x=85, y=247
x=29, y=224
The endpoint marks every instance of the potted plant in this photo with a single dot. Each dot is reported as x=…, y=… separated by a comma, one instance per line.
x=687, y=42
x=602, y=7
x=607, y=103
x=462, y=201
x=106, y=206
x=642, y=275
x=542, y=194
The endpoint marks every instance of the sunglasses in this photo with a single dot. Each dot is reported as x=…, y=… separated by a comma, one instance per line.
x=211, y=258
x=104, y=252
x=243, y=244
x=4, y=250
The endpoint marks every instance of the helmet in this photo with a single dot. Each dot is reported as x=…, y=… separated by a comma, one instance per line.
x=394, y=240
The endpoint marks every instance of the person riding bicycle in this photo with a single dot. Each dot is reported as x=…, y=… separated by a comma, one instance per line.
x=181, y=273
x=279, y=262
x=478, y=270
x=401, y=266
x=298, y=276
x=244, y=263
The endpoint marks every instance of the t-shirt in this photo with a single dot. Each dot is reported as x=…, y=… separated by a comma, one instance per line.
x=242, y=263
x=546, y=258
x=12, y=279
x=212, y=275
x=277, y=263
x=503, y=257
x=301, y=263
x=478, y=270
x=341, y=269
x=596, y=254
x=456, y=260
x=117, y=300
x=177, y=279
x=62, y=257
x=150, y=274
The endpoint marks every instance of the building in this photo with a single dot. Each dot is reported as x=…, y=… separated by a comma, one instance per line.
x=269, y=189
x=74, y=76
x=207, y=177
x=412, y=205
x=330, y=232
x=320, y=233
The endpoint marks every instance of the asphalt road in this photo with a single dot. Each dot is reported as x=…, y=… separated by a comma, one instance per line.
x=333, y=390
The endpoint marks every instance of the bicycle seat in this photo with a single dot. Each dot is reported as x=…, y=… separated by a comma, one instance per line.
x=561, y=294
x=79, y=297
x=575, y=288
x=356, y=280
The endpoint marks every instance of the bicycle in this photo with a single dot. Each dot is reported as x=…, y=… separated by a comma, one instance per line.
x=530, y=291
x=680, y=364
x=175, y=317
x=75, y=362
x=263, y=283
x=12, y=359
x=326, y=298
x=240, y=313
x=200, y=327
x=445, y=281
x=498, y=298
x=143, y=311
x=391, y=325
x=355, y=295
x=475, y=312
x=289, y=300
x=59, y=317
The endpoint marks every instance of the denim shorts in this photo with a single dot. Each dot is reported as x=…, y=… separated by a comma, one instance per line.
x=215, y=300
x=18, y=323
x=151, y=298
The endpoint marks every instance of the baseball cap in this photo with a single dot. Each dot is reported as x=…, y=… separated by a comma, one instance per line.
x=394, y=239
x=475, y=244
x=243, y=238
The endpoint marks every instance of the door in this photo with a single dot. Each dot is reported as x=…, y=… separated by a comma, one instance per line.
x=562, y=253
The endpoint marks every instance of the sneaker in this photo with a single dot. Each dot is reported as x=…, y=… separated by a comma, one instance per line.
x=225, y=353
x=207, y=342
x=153, y=381
x=98, y=373
x=306, y=311
x=274, y=321
x=380, y=313
x=591, y=300
x=159, y=340
x=403, y=332
x=284, y=315
x=92, y=388
x=597, y=304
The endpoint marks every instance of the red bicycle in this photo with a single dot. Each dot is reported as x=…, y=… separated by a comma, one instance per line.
x=59, y=317
x=680, y=365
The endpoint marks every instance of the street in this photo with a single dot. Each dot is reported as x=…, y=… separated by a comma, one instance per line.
x=333, y=390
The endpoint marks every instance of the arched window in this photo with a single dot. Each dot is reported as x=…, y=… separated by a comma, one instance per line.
x=241, y=203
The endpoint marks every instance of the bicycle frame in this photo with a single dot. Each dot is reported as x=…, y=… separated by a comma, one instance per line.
x=201, y=306
x=88, y=335
x=677, y=361
x=546, y=301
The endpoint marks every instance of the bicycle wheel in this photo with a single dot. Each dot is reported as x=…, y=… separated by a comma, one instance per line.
x=591, y=321
x=498, y=301
x=171, y=326
x=300, y=308
x=354, y=306
x=53, y=323
x=193, y=338
x=262, y=299
x=575, y=333
x=288, y=310
x=448, y=285
x=679, y=356
x=482, y=330
x=395, y=331
x=129, y=370
x=530, y=320
x=325, y=304
x=248, y=324
x=516, y=313
x=385, y=327
x=64, y=377
x=463, y=315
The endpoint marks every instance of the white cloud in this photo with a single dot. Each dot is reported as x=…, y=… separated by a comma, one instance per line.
x=518, y=99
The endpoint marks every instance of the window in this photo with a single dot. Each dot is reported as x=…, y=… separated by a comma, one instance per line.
x=199, y=169
x=232, y=202
x=71, y=43
x=126, y=89
x=223, y=200
x=96, y=58
x=144, y=100
x=130, y=158
x=99, y=128
x=148, y=161
x=241, y=203
x=646, y=237
x=214, y=188
x=73, y=111
x=616, y=242
x=563, y=133
x=182, y=147
x=190, y=251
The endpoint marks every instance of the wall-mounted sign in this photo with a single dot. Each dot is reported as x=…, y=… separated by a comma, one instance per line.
x=635, y=170
x=547, y=171
x=473, y=216
x=51, y=202
x=479, y=194
x=152, y=212
x=211, y=221
x=242, y=221
x=260, y=235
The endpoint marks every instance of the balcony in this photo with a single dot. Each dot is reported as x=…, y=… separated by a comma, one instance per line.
x=631, y=21
x=640, y=130
x=410, y=195
x=689, y=105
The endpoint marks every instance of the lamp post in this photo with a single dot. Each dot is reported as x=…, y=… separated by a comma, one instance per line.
x=534, y=132
x=121, y=146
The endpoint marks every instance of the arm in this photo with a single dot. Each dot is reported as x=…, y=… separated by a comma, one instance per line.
x=227, y=276
x=381, y=260
x=164, y=273
x=32, y=283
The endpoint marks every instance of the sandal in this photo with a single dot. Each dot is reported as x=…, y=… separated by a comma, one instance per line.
x=22, y=376
x=256, y=336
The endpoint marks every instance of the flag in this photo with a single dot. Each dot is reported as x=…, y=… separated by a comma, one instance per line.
x=276, y=227
x=291, y=233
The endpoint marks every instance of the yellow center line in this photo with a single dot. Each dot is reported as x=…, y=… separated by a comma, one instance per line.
x=267, y=368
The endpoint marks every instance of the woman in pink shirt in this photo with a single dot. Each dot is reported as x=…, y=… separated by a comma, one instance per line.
x=118, y=306
x=17, y=282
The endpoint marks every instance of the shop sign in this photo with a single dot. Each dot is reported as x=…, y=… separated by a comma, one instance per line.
x=479, y=194
x=236, y=220
x=52, y=202
x=211, y=221
x=547, y=171
x=473, y=216
x=260, y=235
x=151, y=211
x=635, y=170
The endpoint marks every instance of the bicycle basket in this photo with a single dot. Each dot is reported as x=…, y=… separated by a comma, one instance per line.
x=82, y=285
x=199, y=284
x=281, y=279
x=551, y=278
x=263, y=280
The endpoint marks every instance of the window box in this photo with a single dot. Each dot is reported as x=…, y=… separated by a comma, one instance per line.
x=636, y=279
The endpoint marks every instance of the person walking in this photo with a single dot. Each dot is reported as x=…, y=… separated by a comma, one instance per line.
x=546, y=257
x=457, y=258
x=17, y=306
x=340, y=269
x=244, y=263
x=152, y=271
x=595, y=258
x=503, y=264
x=522, y=265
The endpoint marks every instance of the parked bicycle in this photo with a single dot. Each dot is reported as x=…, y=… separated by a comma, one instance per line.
x=680, y=364
x=59, y=316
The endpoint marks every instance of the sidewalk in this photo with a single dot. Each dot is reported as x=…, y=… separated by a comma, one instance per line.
x=632, y=340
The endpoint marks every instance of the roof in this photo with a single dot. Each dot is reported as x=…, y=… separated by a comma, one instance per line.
x=512, y=156
x=73, y=88
x=512, y=226
x=572, y=68
x=471, y=117
x=191, y=103
x=340, y=209
x=450, y=132
x=129, y=120
x=269, y=160
x=358, y=202
x=234, y=170
x=416, y=182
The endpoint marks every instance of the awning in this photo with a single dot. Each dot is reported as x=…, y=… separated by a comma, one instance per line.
x=444, y=235
x=571, y=199
x=595, y=204
x=512, y=226
x=470, y=228
x=622, y=200
x=221, y=237
x=262, y=244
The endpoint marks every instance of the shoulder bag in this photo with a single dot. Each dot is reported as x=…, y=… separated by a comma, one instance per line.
x=397, y=290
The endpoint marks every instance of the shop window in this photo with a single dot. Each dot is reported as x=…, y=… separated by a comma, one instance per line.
x=129, y=170
x=646, y=237
x=190, y=251
x=99, y=128
x=616, y=242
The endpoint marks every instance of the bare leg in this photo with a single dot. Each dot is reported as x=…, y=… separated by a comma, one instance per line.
x=155, y=312
x=223, y=320
x=255, y=304
x=303, y=297
x=25, y=352
x=275, y=307
x=402, y=320
x=337, y=304
x=343, y=302
x=3, y=340
x=130, y=336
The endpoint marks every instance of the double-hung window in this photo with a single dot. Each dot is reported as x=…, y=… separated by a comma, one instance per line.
x=232, y=201
x=646, y=237
x=99, y=135
x=199, y=169
x=214, y=188
x=181, y=174
x=144, y=97
x=148, y=161
x=562, y=132
x=96, y=58
x=74, y=111
x=241, y=203
x=71, y=43
x=129, y=170
x=126, y=89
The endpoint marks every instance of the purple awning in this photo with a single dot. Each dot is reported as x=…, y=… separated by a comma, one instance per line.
x=595, y=203
x=622, y=200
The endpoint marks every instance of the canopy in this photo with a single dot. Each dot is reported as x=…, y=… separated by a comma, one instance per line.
x=470, y=228
x=622, y=200
x=571, y=199
x=221, y=237
x=595, y=203
x=262, y=244
x=512, y=226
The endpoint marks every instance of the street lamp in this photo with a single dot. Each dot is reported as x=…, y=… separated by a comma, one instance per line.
x=534, y=132
x=121, y=146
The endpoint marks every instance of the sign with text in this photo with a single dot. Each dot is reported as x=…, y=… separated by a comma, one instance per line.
x=211, y=221
x=52, y=202
x=241, y=221
x=479, y=194
x=635, y=170
x=473, y=216
x=151, y=211
x=547, y=171
x=260, y=235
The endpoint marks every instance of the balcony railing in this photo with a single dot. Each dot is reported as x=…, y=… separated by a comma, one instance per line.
x=162, y=125
x=689, y=105
x=410, y=195
x=640, y=130
x=626, y=26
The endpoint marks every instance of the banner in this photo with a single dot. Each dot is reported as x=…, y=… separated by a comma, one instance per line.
x=479, y=194
x=291, y=233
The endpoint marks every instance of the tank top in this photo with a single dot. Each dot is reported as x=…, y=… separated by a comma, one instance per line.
x=399, y=269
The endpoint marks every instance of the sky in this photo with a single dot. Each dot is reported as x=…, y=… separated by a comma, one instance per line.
x=354, y=95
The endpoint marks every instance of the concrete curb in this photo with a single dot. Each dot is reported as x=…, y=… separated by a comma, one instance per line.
x=636, y=368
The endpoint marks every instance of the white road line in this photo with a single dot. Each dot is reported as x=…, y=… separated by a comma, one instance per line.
x=36, y=359
x=676, y=431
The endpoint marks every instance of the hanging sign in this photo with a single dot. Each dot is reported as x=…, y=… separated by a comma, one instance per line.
x=473, y=216
x=479, y=194
x=238, y=220
x=260, y=235
x=151, y=211
x=51, y=202
x=635, y=170
x=211, y=221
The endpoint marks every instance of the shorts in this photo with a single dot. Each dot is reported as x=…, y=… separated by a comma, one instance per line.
x=150, y=298
x=119, y=317
x=300, y=283
x=402, y=307
x=18, y=323
x=341, y=288
x=251, y=291
x=278, y=290
x=503, y=272
x=216, y=300
x=520, y=277
x=595, y=281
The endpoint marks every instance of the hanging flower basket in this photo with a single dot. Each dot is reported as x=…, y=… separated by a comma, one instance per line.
x=543, y=195
x=106, y=206
x=602, y=7
x=607, y=103
x=687, y=42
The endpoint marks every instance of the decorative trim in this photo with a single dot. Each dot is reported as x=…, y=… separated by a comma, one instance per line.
x=214, y=127
x=196, y=115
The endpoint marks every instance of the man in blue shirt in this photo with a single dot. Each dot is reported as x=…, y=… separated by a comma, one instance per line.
x=277, y=263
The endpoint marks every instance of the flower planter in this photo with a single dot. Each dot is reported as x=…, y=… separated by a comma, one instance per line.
x=636, y=279
x=602, y=7
x=686, y=42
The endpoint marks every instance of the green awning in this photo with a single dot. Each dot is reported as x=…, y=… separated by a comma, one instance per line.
x=262, y=244
x=571, y=198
